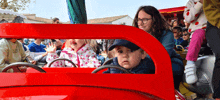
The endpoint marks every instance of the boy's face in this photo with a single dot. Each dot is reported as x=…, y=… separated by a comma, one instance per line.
x=185, y=36
x=176, y=33
x=127, y=58
x=13, y=40
x=56, y=22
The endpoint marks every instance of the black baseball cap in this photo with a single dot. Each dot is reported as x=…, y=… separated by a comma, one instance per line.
x=125, y=43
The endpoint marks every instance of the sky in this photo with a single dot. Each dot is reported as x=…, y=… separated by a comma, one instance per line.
x=96, y=8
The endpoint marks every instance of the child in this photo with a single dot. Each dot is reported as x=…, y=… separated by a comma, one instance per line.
x=177, y=31
x=37, y=51
x=174, y=23
x=193, y=14
x=129, y=56
x=78, y=51
x=186, y=35
x=11, y=50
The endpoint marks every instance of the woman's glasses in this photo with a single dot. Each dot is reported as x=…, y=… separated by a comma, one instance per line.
x=144, y=20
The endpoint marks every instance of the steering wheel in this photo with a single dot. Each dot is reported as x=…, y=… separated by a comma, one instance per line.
x=181, y=48
x=108, y=62
x=111, y=66
x=15, y=66
x=48, y=65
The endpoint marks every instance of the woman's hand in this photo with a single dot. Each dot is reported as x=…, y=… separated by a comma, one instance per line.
x=51, y=48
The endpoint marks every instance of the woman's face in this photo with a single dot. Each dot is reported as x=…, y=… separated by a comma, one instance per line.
x=144, y=21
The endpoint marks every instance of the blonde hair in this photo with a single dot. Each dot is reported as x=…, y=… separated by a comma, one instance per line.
x=92, y=43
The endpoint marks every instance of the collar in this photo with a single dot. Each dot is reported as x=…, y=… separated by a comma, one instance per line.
x=83, y=49
x=140, y=67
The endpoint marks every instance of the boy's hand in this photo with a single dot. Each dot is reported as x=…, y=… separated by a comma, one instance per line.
x=51, y=48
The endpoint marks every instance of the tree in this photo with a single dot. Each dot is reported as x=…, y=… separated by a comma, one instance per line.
x=14, y=5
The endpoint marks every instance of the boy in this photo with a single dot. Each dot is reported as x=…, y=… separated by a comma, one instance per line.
x=177, y=32
x=131, y=57
x=37, y=51
x=186, y=35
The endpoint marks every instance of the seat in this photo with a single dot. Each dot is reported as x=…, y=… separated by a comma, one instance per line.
x=205, y=66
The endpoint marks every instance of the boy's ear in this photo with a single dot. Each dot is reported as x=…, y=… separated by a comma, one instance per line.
x=143, y=55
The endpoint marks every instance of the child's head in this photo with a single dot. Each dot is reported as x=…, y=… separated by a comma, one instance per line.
x=174, y=23
x=18, y=19
x=185, y=34
x=13, y=40
x=56, y=21
x=129, y=55
x=177, y=32
x=76, y=44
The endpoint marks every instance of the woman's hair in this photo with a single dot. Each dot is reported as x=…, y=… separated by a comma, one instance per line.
x=159, y=23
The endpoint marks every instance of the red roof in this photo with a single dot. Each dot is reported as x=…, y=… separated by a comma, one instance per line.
x=172, y=10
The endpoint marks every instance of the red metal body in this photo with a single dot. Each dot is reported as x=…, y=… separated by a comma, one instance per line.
x=79, y=83
x=172, y=10
x=173, y=13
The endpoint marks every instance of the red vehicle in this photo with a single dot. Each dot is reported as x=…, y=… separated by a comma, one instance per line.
x=81, y=83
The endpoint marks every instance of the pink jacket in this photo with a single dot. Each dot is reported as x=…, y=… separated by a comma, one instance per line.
x=194, y=15
x=85, y=57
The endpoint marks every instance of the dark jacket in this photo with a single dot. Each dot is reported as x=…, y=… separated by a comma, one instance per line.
x=142, y=68
x=167, y=40
x=185, y=43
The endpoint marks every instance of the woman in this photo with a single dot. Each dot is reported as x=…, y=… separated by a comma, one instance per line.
x=149, y=19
